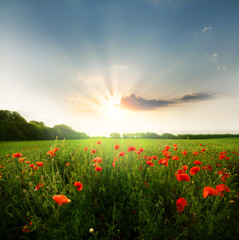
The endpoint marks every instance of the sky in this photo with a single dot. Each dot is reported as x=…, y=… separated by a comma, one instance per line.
x=122, y=66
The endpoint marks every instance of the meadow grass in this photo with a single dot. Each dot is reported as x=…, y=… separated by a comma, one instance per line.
x=131, y=200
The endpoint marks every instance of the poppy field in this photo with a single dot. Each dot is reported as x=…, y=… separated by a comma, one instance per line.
x=119, y=189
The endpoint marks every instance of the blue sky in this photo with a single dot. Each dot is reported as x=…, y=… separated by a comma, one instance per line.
x=117, y=61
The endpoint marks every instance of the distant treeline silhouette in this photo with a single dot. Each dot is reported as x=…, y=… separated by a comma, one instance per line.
x=152, y=135
x=13, y=127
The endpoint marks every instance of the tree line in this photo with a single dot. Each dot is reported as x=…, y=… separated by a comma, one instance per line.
x=152, y=135
x=13, y=127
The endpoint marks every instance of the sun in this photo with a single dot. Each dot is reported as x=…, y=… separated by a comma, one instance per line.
x=111, y=107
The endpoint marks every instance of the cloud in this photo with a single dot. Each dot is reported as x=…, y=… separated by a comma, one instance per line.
x=137, y=103
x=90, y=79
x=221, y=68
x=207, y=28
x=214, y=57
x=196, y=97
x=121, y=67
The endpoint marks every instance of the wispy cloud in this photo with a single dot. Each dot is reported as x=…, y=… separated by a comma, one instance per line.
x=137, y=103
x=221, y=68
x=214, y=57
x=207, y=28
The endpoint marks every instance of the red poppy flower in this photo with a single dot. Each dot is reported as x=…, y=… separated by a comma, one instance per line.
x=164, y=161
x=21, y=159
x=113, y=164
x=39, y=164
x=86, y=148
x=175, y=158
x=115, y=159
x=185, y=167
x=184, y=152
x=150, y=163
x=140, y=168
x=51, y=153
x=67, y=164
x=16, y=155
x=1, y=167
x=56, y=149
x=79, y=185
x=222, y=157
x=93, y=151
x=117, y=146
x=197, y=162
x=26, y=228
x=209, y=191
x=181, y=203
x=31, y=165
x=98, y=169
x=97, y=159
x=194, y=170
x=61, y=199
x=222, y=188
x=39, y=185
x=141, y=149
x=183, y=177
x=175, y=145
x=130, y=149
x=121, y=154
x=99, y=142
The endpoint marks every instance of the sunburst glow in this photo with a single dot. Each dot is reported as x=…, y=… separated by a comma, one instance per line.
x=110, y=106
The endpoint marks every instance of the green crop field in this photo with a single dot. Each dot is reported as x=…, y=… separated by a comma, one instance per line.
x=119, y=189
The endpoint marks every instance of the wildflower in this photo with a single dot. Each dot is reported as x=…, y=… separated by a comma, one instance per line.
x=184, y=152
x=97, y=159
x=141, y=150
x=31, y=165
x=117, y=146
x=181, y=203
x=140, y=168
x=222, y=188
x=26, y=228
x=121, y=154
x=93, y=151
x=194, y=170
x=39, y=185
x=91, y=230
x=61, y=199
x=150, y=163
x=164, y=161
x=67, y=164
x=21, y=159
x=56, y=149
x=175, y=158
x=86, y=148
x=39, y=164
x=99, y=142
x=183, y=177
x=209, y=191
x=185, y=167
x=51, y=153
x=130, y=149
x=16, y=155
x=197, y=162
x=79, y=185
x=98, y=169
x=113, y=164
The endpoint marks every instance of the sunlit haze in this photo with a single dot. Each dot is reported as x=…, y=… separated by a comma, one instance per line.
x=122, y=66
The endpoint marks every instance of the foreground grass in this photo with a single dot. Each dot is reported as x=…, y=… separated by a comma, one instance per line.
x=131, y=200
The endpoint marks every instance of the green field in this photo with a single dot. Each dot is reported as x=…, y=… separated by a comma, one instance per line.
x=132, y=197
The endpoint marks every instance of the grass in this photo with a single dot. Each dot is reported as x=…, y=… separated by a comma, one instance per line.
x=129, y=201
